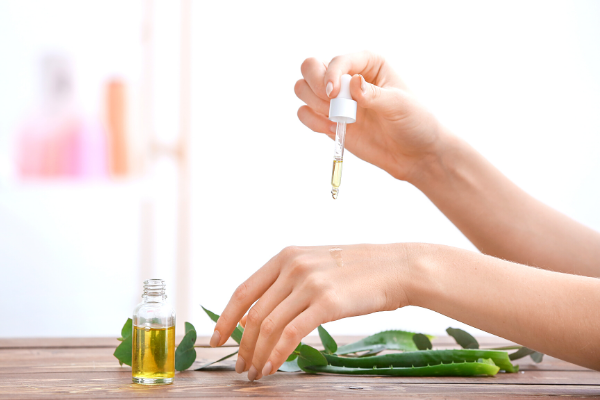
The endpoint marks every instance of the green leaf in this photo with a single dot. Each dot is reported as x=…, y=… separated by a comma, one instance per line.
x=211, y=314
x=185, y=355
x=537, y=357
x=127, y=329
x=219, y=360
x=309, y=356
x=290, y=366
x=328, y=342
x=522, y=352
x=422, y=342
x=464, y=339
x=238, y=332
x=124, y=351
x=295, y=353
x=189, y=327
x=387, y=340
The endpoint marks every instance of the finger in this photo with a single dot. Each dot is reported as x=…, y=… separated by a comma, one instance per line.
x=271, y=329
x=365, y=63
x=243, y=321
x=273, y=297
x=313, y=71
x=316, y=122
x=305, y=93
x=243, y=297
x=374, y=97
x=291, y=336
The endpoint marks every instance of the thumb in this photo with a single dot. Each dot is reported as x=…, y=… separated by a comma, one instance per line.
x=374, y=97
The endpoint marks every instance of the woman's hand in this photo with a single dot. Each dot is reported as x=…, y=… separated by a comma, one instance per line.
x=392, y=130
x=303, y=287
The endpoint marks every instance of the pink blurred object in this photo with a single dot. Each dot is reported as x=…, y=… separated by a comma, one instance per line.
x=56, y=140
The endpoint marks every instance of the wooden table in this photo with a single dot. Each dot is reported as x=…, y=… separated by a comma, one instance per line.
x=79, y=368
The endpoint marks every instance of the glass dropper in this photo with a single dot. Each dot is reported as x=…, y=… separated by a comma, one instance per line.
x=338, y=159
x=342, y=110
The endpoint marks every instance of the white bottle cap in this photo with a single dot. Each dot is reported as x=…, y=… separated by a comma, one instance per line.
x=343, y=108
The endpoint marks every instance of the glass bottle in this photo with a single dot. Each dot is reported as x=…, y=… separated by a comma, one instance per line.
x=153, y=360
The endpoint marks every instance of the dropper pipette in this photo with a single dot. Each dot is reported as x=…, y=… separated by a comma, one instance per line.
x=342, y=110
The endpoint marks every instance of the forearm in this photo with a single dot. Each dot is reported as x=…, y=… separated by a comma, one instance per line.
x=502, y=220
x=554, y=313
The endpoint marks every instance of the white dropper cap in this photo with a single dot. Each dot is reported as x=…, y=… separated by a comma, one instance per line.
x=343, y=108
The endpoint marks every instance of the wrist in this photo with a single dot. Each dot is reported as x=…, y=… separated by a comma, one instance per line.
x=422, y=278
x=435, y=167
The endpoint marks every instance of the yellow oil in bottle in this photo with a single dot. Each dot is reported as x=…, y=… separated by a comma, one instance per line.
x=336, y=177
x=153, y=359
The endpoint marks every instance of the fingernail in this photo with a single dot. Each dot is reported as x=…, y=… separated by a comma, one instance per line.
x=215, y=339
x=332, y=128
x=267, y=369
x=363, y=85
x=328, y=88
x=252, y=373
x=240, y=365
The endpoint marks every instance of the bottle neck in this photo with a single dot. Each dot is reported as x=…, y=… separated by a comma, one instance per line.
x=154, y=291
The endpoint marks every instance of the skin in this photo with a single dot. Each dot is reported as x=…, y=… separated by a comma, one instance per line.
x=535, y=283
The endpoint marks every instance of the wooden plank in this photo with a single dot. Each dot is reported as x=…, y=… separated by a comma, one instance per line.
x=229, y=384
x=66, y=368
x=35, y=362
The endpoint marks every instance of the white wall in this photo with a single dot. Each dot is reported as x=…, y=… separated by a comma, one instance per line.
x=518, y=80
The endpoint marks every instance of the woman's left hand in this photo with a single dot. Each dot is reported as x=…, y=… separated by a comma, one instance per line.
x=303, y=287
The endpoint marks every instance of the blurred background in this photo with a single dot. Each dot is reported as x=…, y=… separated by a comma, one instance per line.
x=159, y=139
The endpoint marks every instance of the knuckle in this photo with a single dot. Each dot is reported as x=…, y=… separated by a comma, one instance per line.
x=267, y=328
x=308, y=64
x=330, y=300
x=316, y=283
x=335, y=59
x=241, y=292
x=254, y=317
x=298, y=267
x=276, y=354
x=291, y=334
x=290, y=252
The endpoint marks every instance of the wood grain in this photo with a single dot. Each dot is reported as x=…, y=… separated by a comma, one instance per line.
x=78, y=368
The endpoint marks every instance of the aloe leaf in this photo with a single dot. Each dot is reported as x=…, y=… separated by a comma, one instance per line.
x=219, y=360
x=124, y=351
x=522, y=352
x=238, y=332
x=422, y=342
x=464, y=339
x=185, y=355
x=452, y=369
x=127, y=329
x=328, y=342
x=537, y=357
x=424, y=358
x=290, y=366
x=309, y=356
x=386, y=340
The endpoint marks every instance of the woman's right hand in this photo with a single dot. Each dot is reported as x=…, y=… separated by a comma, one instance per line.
x=392, y=130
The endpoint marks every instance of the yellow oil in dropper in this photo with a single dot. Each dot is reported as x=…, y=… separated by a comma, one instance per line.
x=338, y=159
x=336, y=177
